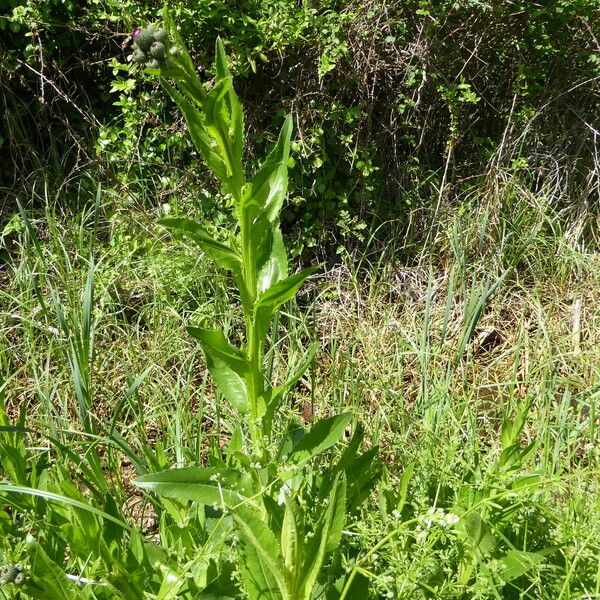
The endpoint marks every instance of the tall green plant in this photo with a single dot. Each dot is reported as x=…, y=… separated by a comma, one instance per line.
x=283, y=546
x=254, y=254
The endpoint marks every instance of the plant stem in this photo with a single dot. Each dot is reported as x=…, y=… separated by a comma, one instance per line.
x=254, y=351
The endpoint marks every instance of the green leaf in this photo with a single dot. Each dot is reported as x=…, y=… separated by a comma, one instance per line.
x=235, y=121
x=172, y=582
x=362, y=474
x=322, y=435
x=264, y=195
x=170, y=26
x=516, y=563
x=217, y=116
x=403, y=486
x=326, y=538
x=221, y=254
x=262, y=572
x=479, y=534
x=337, y=507
x=205, y=143
x=49, y=581
x=355, y=585
x=272, y=265
x=291, y=536
x=269, y=301
x=51, y=496
x=280, y=391
x=209, y=486
x=228, y=366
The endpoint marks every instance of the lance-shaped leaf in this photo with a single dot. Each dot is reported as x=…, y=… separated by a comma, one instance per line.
x=271, y=259
x=292, y=539
x=326, y=538
x=268, y=302
x=264, y=195
x=48, y=578
x=212, y=487
x=184, y=57
x=322, y=435
x=206, y=143
x=221, y=254
x=262, y=571
x=228, y=366
x=235, y=118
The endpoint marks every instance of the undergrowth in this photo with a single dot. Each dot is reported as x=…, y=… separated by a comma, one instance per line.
x=473, y=369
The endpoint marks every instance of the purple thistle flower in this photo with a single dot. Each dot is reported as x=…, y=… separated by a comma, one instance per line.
x=137, y=32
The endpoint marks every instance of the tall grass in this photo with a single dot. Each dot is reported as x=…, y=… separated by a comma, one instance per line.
x=474, y=367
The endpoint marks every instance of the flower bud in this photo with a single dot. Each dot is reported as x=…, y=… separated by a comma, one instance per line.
x=145, y=38
x=161, y=35
x=157, y=50
x=175, y=51
x=138, y=56
x=153, y=64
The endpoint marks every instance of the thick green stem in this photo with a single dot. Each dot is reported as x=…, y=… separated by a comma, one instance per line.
x=254, y=350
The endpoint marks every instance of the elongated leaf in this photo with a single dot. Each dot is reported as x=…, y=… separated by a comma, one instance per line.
x=268, y=302
x=217, y=343
x=323, y=435
x=478, y=533
x=267, y=190
x=217, y=120
x=403, y=486
x=235, y=121
x=362, y=475
x=325, y=539
x=283, y=291
x=262, y=571
x=228, y=366
x=221, y=254
x=209, y=486
x=516, y=563
x=51, y=496
x=185, y=57
x=354, y=585
x=337, y=506
x=291, y=536
x=271, y=259
x=205, y=143
x=299, y=370
x=49, y=578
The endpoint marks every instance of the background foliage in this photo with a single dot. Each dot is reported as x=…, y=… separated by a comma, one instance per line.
x=397, y=104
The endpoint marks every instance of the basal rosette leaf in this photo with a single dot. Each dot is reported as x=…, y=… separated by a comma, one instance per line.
x=292, y=537
x=325, y=539
x=262, y=571
x=223, y=488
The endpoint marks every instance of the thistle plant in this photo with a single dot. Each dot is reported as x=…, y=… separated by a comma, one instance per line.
x=255, y=254
x=267, y=485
